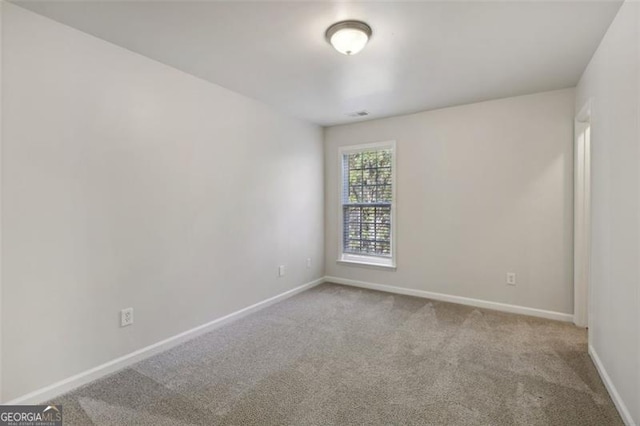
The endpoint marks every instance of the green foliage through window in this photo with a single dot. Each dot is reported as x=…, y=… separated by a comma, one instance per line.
x=366, y=201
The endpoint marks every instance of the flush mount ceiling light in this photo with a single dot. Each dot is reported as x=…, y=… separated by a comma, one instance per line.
x=348, y=37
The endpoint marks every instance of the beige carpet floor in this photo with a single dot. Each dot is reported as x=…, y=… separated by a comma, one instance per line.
x=336, y=355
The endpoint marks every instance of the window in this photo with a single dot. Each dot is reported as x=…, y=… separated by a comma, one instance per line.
x=368, y=204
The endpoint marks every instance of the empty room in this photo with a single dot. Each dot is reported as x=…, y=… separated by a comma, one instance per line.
x=319, y=212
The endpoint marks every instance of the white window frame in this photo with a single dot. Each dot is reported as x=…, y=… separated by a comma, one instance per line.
x=361, y=259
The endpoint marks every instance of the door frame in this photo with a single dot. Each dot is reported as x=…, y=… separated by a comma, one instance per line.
x=582, y=216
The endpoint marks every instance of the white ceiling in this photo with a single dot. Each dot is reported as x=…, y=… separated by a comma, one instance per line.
x=422, y=55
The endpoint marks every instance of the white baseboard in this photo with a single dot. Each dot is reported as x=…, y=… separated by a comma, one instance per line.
x=49, y=392
x=496, y=306
x=613, y=392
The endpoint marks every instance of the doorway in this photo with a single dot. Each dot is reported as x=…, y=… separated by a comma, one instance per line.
x=582, y=216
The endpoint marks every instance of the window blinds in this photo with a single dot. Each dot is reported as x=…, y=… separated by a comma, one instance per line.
x=366, y=202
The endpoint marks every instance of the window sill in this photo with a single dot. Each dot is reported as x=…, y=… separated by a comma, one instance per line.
x=368, y=262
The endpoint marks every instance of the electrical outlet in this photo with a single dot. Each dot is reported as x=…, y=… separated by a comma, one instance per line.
x=511, y=278
x=281, y=271
x=308, y=262
x=126, y=317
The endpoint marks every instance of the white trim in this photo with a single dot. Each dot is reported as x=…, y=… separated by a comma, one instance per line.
x=346, y=257
x=585, y=112
x=496, y=306
x=613, y=392
x=582, y=216
x=376, y=262
x=581, y=223
x=366, y=146
x=92, y=374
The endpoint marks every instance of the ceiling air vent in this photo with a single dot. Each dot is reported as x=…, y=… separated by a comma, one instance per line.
x=358, y=114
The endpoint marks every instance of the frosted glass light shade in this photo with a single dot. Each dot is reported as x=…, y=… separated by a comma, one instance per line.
x=348, y=37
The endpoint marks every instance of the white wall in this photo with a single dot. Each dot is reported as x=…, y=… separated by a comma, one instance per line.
x=129, y=183
x=482, y=190
x=612, y=81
